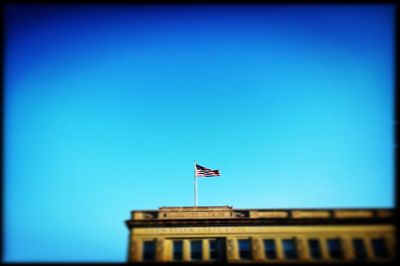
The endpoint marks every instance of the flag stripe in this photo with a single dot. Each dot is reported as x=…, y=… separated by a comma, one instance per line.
x=211, y=172
x=206, y=172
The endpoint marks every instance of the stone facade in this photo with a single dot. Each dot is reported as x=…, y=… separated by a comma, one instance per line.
x=261, y=235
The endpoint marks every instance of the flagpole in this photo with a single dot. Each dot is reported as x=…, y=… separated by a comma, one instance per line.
x=195, y=185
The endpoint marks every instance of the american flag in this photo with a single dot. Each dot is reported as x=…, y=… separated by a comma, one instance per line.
x=205, y=172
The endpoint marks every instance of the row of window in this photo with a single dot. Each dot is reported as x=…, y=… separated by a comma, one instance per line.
x=195, y=250
x=334, y=248
x=216, y=248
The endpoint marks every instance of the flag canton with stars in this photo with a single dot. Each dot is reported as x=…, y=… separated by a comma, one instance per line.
x=206, y=172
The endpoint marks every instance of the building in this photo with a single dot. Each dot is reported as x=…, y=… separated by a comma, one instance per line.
x=261, y=235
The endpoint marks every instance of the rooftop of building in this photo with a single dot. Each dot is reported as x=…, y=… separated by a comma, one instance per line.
x=227, y=215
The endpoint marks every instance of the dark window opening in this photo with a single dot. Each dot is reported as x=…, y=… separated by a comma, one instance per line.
x=270, y=248
x=244, y=249
x=315, y=248
x=289, y=249
x=379, y=247
x=359, y=249
x=196, y=249
x=215, y=249
x=149, y=248
x=178, y=249
x=335, y=249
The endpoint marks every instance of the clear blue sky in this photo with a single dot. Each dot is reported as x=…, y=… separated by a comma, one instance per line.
x=107, y=107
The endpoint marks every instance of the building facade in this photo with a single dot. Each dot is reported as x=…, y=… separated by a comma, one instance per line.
x=206, y=234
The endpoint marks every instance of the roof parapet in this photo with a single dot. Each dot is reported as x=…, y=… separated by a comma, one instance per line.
x=227, y=212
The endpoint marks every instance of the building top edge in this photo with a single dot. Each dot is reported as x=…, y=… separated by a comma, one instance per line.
x=227, y=212
x=208, y=208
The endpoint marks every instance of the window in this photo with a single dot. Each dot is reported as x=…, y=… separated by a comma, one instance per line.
x=379, y=247
x=289, y=249
x=335, y=250
x=195, y=249
x=178, y=249
x=359, y=249
x=315, y=248
x=244, y=249
x=215, y=249
x=149, y=248
x=269, y=248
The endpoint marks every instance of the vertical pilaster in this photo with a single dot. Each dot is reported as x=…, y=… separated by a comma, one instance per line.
x=368, y=248
x=347, y=248
x=135, y=250
x=231, y=249
x=168, y=250
x=324, y=249
x=205, y=250
x=186, y=250
x=279, y=249
x=160, y=249
x=322, y=243
x=302, y=251
x=256, y=249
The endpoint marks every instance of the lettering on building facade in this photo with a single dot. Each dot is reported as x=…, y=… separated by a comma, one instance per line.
x=197, y=230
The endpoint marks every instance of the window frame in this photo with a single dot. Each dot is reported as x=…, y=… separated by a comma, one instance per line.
x=340, y=248
x=173, y=249
x=384, y=248
x=274, y=245
x=295, y=249
x=319, y=248
x=249, y=250
x=191, y=241
x=149, y=241
x=356, y=249
x=218, y=249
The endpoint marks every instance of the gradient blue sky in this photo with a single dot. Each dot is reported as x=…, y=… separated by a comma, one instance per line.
x=107, y=107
